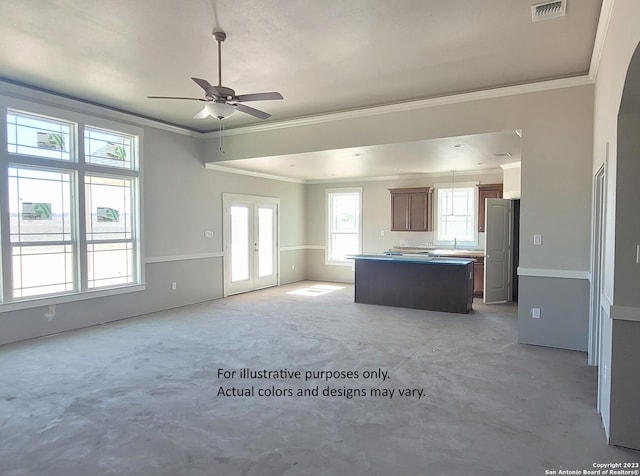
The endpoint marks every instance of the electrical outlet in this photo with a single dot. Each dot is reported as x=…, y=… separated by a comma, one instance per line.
x=537, y=239
x=381, y=232
x=174, y=286
x=208, y=234
x=293, y=267
x=535, y=313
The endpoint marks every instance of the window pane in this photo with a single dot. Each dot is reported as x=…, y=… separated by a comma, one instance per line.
x=110, y=264
x=108, y=208
x=343, y=245
x=38, y=136
x=456, y=214
x=343, y=225
x=40, y=205
x=42, y=270
x=345, y=209
x=108, y=148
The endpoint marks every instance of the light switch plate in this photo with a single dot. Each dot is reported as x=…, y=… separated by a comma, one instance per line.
x=537, y=239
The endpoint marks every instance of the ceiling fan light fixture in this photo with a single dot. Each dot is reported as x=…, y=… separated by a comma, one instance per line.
x=220, y=110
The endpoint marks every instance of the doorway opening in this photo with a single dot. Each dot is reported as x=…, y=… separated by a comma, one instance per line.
x=251, y=233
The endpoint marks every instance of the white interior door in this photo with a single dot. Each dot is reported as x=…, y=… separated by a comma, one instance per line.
x=251, y=243
x=497, y=259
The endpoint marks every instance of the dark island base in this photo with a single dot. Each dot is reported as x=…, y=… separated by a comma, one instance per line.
x=430, y=286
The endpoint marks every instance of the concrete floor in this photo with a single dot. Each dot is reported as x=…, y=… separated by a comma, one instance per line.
x=141, y=396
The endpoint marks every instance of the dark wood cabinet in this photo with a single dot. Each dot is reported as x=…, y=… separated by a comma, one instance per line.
x=411, y=209
x=438, y=285
x=486, y=191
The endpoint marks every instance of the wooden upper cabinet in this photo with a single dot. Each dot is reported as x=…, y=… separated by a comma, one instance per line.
x=411, y=209
x=486, y=191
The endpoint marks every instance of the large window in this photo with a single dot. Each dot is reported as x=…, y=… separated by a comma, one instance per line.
x=344, y=224
x=456, y=215
x=71, y=221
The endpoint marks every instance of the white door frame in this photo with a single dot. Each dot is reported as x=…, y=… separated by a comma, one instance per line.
x=254, y=201
x=597, y=270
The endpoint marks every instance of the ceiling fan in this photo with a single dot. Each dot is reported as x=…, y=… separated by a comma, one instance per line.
x=221, y=101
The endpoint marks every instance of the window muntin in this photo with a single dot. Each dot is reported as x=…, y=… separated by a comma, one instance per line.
x=43, y=269
x=46, y=253
x=33, y=135
x=41, y=231
x=110, y=264
x=110, y=222
x=456, y=212
x=344, y=210
x=40, y=206
x=109, y=149
x=109, y=208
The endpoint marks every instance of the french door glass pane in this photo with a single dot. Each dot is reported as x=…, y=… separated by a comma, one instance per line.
x=265, y=242
x=239, y=243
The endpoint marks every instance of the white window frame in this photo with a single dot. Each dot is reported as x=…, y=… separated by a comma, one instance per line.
x=330, y=193
x=437, y=226
x=79, y=168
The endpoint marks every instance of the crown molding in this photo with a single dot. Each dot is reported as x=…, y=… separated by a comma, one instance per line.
x=405, y=177
x=250, y=173
x=601, y=36
x=30, y=93
x=232, y=170
x=52, y=99
x=409, y=105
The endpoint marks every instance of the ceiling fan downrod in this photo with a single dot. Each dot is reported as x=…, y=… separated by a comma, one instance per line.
x=219, y=36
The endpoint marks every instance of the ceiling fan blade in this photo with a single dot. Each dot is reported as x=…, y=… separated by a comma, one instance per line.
x=202, y=114
x=208, y=88
x=254, y=112
x=258, y=97
x=176, y=97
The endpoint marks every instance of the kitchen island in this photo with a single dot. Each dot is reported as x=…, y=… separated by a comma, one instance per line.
x=417, y=282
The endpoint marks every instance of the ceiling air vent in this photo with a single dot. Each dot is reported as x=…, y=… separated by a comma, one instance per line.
x=548, y=10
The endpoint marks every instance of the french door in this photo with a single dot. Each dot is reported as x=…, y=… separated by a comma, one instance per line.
x=250, y=226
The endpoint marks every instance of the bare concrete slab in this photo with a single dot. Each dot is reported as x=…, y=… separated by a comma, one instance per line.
x=143, y=396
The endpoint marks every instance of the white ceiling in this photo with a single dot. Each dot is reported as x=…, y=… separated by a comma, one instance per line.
x=322, y=55
x=464, y=153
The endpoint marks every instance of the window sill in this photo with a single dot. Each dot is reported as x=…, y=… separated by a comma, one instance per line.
x=71, y=297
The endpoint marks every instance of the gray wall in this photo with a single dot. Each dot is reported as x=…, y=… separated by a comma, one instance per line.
x=376, y=219
x=618, y=371
x=557, y=127
x=181, y=199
